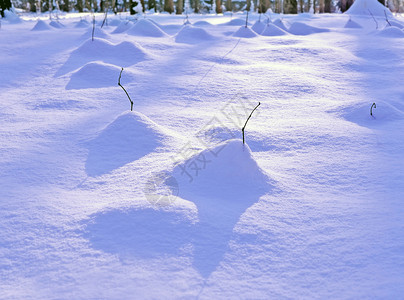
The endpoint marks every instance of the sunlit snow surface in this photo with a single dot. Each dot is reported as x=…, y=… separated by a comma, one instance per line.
x=165, y=202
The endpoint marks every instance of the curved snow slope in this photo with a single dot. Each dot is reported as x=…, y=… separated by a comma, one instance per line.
x=96, y=75
x=272, y=30
x=226, y=171
x=392, y=32
x=123, y=27
x=236, y=22
x=192, y=35
x=384, y=112
x=245, y=32
x=299, y=28
x=202, y=23
x=56, y=24
x=280, y=24
x=129, y=137
x=352, y=24
x=82, y=24
x=40, y=26
x=144, y=27
x=364, y=7
x=259, y=27
x=98, y=33
x=123, y=54
x=114, y=22
x=223, y=182
x=11, y=17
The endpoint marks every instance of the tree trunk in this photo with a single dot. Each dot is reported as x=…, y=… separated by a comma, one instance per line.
x=179, y=7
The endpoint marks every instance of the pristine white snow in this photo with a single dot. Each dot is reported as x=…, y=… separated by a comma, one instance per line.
x=98, y=202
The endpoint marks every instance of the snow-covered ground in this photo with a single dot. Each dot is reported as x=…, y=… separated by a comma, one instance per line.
x=97, y=202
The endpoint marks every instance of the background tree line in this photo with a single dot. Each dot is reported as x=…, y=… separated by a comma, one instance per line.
x=197, y=6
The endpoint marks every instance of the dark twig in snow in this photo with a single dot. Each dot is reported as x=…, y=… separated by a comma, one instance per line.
x=105, y=18
x=119, y=83
x=371, y=111
x=242, y=129
x=92, y=35
x=387, y=20
x=377, y=24
x=246, y=20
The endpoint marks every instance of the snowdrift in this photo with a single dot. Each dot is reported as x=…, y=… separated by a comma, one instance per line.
x=11, y=17
x=352, y=24
x=299, y=28
x=123, y=27
x=123, y=54
x=192, y=35
x=82, y=24
x=129, y=137
x=41, y=26
x=97, y=75
x=272, y=30
x=222, y=182
x=98, y=33
x=245, y=32
x=236, y=22
x=56, y=24
x=280, y=24
x=146, y=28
x=202, y=23
x=366, y=7
x=391, y=32
x=259, y=27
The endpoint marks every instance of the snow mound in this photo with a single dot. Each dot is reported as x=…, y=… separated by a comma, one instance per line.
x=82, y=24
x=41, y=26
x=114, y=22
x=299, y=28
x=258, y=27
x=365, y=7
x=236, y=22
x=55, y=24
x=272, y=30
x=392, y=32
x=352, y=24
x=280, y=24
x=396, y=24
x=144, y=27
x=98, y=33
x=224, y=171
x=192, y=35
x=245, y=32
x=129, y=137
x=12, y=17
x=123, y=27
x=384, y=112
x=123, y=54
x=202, y=23
x=96, y=75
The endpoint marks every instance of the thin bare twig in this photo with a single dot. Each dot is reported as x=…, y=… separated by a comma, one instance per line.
x=119, y=83
x=387, y=20
x=373, y=105
x=377, y=24
x=242, y=129
x=92, y=35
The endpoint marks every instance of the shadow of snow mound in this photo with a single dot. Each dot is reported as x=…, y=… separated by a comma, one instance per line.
x=383, y=113
x=258, y=27
x=352, y=24
x=96, y=75
x=146, y=28
x=222, y=182
x=362, y=7
x=192, y=35
x=299, y=28
x=123, y=54
x=129, y=137
x=245, y=32
x=273, y=30
x=391, y=32
x=41, y=26
x=56, y=24
x=144, y=233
